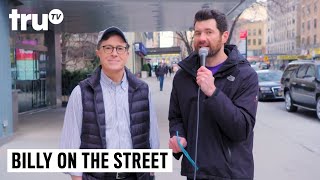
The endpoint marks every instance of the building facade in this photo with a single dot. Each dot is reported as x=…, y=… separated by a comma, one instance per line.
x=310, y=28
x=284, y=32
x=254, y=38
x=137, y=41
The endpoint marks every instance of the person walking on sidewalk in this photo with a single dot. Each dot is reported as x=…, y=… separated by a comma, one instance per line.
x=100, y=114
x=227, y=105
x=161, y=71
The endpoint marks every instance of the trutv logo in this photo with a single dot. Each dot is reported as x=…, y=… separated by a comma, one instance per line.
x=55, y=16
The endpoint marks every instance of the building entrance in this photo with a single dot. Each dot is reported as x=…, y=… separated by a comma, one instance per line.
x=30, y=78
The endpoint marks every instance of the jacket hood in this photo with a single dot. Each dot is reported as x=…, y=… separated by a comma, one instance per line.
x=192, y=63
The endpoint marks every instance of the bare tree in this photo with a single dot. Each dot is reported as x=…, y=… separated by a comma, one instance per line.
x=183, y=36
x=78, y=50
x=65, y=38
x=277, y=7
x=233, y=26
x=254, y=7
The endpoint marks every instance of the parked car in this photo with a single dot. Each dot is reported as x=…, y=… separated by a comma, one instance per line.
x=255, y=67
x=259, y=65
x=269, y=84
x=300, y=84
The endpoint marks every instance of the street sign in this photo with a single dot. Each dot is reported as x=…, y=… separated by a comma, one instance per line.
x=243, y=34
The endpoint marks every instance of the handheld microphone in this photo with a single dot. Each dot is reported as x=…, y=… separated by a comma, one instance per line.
x=203, y=53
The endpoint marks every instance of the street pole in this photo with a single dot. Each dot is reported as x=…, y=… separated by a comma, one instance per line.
x=246, y=46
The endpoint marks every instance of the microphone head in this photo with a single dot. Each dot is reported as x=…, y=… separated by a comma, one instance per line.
x=203, y=51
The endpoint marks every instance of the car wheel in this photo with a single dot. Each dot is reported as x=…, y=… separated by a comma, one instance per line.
x=288, y=102
x=318, y=108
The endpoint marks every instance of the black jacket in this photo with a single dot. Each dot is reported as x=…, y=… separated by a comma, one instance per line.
x=161, y=70
x=226, y=119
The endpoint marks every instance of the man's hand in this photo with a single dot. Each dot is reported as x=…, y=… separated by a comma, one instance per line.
x=206, y=81
x=173, y=144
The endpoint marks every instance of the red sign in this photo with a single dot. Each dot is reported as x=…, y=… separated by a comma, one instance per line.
x=243, y=34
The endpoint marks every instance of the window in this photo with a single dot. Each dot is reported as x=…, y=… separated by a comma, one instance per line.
x=259, y=41
x=293, y=21
x=308, y=40
x=259, y=32
x=293, y=36
x=308, y=25
x=311, y=71
x=302, y=71
x=314, y=39
x=249, y=32
x=288, y=72
x=254, y=32
x=303, y=27
x=315, y=23
x=315, y=7
x=249, y=42
x=254, y=42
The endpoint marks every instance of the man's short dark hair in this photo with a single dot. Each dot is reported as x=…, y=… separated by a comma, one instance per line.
x=206, y=14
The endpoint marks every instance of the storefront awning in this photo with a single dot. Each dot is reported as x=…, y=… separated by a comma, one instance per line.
x=140, y=49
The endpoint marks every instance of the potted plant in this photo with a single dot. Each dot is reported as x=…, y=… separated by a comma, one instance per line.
x=144, y=71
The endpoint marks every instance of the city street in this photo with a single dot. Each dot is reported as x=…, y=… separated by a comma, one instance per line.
x=286, y=144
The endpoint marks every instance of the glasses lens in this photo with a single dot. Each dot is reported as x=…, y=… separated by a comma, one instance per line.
x=121, y=50
x=108, y=49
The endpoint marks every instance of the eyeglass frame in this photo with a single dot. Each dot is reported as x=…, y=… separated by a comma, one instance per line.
x=105, y=51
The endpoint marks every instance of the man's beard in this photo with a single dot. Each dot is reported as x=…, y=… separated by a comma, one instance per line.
x=213, y=52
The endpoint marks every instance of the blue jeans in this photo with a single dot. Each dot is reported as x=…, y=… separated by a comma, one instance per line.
x=161, y=78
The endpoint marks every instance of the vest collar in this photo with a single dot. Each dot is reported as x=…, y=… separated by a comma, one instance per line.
x=94, y=79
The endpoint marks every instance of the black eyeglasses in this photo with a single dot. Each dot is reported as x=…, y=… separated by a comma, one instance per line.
x=109, y=49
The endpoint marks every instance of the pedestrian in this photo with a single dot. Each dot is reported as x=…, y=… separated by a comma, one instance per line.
x=167, y=70
x=170, y=70
x=161, y=70
x=282, y=67
x=150, y=69
x=227, y=106
x=100, y=113
x=156, y=71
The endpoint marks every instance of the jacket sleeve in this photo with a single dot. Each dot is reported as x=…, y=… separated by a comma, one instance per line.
x=236, y=118
x=175, y=117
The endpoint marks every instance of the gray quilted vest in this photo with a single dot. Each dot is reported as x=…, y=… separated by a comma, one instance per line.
x=93, y=123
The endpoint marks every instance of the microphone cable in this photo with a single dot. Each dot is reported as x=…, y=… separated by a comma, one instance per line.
x=197, y=133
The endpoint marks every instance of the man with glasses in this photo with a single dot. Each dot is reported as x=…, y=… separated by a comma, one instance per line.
x=112, y=109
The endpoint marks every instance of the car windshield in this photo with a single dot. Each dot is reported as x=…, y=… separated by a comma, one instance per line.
x=269, y=76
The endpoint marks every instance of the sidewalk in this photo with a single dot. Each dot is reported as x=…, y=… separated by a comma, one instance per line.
x=41, y=130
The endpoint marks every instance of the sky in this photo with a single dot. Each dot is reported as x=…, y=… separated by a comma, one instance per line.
x=166, y=39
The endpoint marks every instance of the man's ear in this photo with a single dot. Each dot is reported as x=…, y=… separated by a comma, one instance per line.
x=225, y=36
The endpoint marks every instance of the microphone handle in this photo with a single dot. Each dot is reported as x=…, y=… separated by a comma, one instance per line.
x=203, y=60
